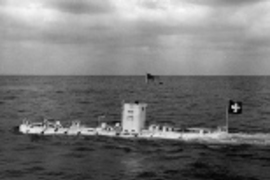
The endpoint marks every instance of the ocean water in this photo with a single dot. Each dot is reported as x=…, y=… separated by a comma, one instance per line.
x=181, y=101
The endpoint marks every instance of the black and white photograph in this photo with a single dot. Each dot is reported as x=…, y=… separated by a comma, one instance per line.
x=134, y=89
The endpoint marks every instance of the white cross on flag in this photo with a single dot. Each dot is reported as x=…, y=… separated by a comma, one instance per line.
x=235, y=107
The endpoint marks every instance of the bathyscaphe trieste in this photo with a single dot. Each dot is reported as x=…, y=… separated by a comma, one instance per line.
x=132, y=125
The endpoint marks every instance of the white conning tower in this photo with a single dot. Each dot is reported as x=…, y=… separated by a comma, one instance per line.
x=133, y=117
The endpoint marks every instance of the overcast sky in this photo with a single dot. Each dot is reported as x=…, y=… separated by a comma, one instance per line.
x=132, y=37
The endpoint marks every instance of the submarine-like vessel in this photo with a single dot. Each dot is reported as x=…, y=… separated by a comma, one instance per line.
x=132, y=125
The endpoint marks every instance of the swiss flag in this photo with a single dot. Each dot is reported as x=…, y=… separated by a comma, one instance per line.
x=235, y=107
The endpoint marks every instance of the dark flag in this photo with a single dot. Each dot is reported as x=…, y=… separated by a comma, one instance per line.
x=152, y=78
x=149, y=77
x=235, y=107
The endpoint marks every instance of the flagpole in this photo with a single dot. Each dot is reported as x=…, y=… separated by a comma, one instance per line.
x=227, y=119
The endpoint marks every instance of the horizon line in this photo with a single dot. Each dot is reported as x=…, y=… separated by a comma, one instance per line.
x=78, y=75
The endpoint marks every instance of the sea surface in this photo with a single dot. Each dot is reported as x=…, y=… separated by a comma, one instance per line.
x=181, y=101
